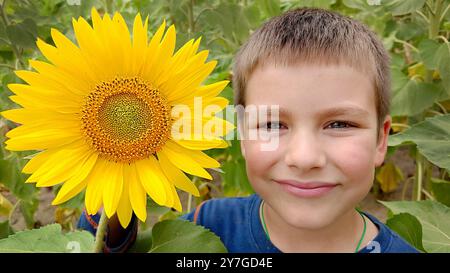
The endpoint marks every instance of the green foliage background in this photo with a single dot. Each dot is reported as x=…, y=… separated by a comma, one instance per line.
x=416, y=33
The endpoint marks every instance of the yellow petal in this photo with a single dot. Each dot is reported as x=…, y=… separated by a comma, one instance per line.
x=139, y=45
x=164, y=56
x=76, y=85
x=124, y=210
x=77, y=183
x=176, y=154
x=138, y=197
x=211, y=90
x=42, y=140
x=176, y=177
x=67, y=48
x=113, y=187
x=64, y=169
x=216, y=127
x=93, y=47
x=155, y=41
x=201, y=158
x=152, y=179
x=33, y=116
x=202, y=144
x=46, y=82
x=176, y=199
x=158, y=54
x=47, y=94
x=72, y=64
x=205, y=91
x=53, y=163
x=176, y=63
x=38, y=103
x=95, y=186
x=192, y=81
x=184, y=77
x=30, y=129
x=37, y=161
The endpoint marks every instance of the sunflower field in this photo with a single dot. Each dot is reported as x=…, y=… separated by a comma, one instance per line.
x=49, y=177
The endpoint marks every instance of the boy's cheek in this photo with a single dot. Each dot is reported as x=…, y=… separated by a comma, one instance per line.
x=257, y=159
x=355, y=160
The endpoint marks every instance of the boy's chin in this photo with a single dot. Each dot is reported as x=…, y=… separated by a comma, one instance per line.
x=315, y=219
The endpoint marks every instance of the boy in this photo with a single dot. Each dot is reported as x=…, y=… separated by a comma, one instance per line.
x=329, y=76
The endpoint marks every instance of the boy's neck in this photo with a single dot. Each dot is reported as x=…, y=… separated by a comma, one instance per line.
x=340, y=236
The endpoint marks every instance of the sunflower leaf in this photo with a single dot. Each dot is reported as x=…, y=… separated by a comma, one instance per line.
x=407, y=226
x=432, y=137
x=182, y=236
x=441, y=190
x=48, y=239
x=434, y=218
x=143, y=242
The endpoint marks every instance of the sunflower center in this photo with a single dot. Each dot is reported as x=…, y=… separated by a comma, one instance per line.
x=126, y=119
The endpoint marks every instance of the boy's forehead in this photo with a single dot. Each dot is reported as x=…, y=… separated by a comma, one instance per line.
x=325, y=89
x=313, y=77
x=340, y=110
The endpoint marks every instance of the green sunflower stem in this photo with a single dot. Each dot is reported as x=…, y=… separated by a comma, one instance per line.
x=101, y=231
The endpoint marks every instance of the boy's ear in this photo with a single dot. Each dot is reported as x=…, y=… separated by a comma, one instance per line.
x=383, y=141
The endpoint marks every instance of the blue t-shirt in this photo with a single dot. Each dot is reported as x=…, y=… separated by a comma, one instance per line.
x=236, y=221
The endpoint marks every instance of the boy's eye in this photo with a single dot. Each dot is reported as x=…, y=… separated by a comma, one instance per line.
x=340, y=124
x=271, y=125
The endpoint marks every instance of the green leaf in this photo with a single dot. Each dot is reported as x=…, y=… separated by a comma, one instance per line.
x=428, y=52
x=408, y=227
x=434, y=218
x=401, y=7
x=5, y=229
x=252, y=14
x=270, y=7
x=143, y=242
x=432, y=137
x=48, y=239
x=414, y=98
x=11, y=175
x=182, y=236
x=234, y=176
x=318, y=3
x=399, y=79
x=443, y=65
x=356, y=4
x=441, y=190
x=410, y=29
x=230, y=21
x=23, y=34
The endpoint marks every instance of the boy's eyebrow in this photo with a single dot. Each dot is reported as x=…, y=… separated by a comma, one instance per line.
x=334, y=111
x=344, y=110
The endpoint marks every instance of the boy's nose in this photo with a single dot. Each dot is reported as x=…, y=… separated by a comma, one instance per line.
x=304, y=151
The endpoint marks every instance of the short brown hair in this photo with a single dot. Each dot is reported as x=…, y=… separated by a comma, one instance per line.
x=311, y=35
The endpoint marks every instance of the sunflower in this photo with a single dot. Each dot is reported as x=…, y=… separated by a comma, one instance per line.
x=100, y=115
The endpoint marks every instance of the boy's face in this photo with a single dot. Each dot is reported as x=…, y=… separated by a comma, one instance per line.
x=323, y=165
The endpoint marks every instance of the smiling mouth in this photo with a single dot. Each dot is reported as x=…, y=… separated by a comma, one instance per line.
x=306, y=189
